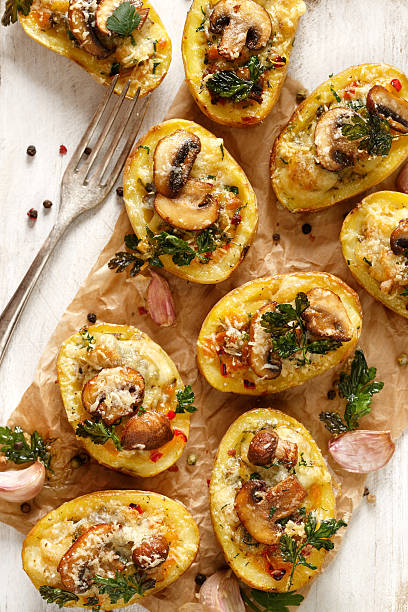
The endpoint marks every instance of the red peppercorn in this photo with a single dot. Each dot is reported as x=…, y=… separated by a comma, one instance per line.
x=136, y=507
x=155, y=456
x=236, y=219
x=32, y=213
x=142, y=310
x=396, y=83
x=63, y=150
x=232, y=452
x=171, y=414
x=173, y=468
x=277, y=574
x=180, y=434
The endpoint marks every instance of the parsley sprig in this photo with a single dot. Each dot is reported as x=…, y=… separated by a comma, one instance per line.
x=373, y=132
x=289, y=335
x=124, y=19
x=57, y=596
x=16, y=448
x=98, y=432
x=185, y=400
x=11, y=9
x=124, y=587
x=227, y=84
x=271, y=602
x=292, y=550
x=357, y=388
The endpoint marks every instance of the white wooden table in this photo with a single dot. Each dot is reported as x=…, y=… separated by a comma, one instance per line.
x=46, y=100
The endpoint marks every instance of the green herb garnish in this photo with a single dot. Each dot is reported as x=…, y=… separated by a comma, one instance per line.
x=88, y=341
x=373, y=132
x=222, y=150
x=123, y=20
x=145, y=147
x=57, y=596
x=11, y=9
x=335, y=94
x=201, y=26
x=155, y=64
x=185, y=400
x=115, y=69
x=98, y=432
x=357, y=388
x=271, y=602
x=15, y=447
x=231, y=189
x=317, y=537
x=368, y=262
x=227, y=84
x=124, y=587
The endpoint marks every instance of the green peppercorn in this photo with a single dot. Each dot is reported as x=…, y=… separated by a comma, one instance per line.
x=403, y=360
x=191, y=459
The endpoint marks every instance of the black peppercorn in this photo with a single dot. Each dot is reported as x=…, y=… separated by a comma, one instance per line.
x=18, y=445
x=32, y=213
x=31, y=150
x=149, y=188
x=276, y=237
x=331, y=394
x=25, y=508
x=87, y=150
x=91, y=317
x=47, y=203
x=306, y=228
x=119, y=192
x=200, y=579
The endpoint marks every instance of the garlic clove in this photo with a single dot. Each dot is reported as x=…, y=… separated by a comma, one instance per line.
x=22, y=485
x=220, y=593
x=160, y=301
x=362, y=451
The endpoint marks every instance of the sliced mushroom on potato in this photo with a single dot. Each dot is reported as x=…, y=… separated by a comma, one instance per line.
x=107, y=7
x=241, y=23
x=173, y=160
x=335, y=151
x=194, y=208
x=151, y=552
x=82, y=30
x=326, y=316
x=388, y=106
x=399, y=238
x=113, y=393
x=259, y=507
x=266, y=447
x=146, y=431
x=77, y=566
x=263, y=362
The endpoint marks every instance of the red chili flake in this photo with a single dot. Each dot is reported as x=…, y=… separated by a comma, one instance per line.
x=236, y=219
x=279, y=61
x=223, y=370
x=136, y=507
x=63, y=150
x=277, y=574
x=32, y=213
x=181, y=434
x=249, y=384
x=232, y=452
x=208, y=482
x=155, y=456
x=171, y=414
x=208, y=255
x=396, y=83
x=142, y=310
x=349, y=93
x=173, y=468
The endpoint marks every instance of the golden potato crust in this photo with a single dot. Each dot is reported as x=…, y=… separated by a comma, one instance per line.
x=365, y=240
x=231, y=467
x=299, y=183
x=127, y=346
x=36, y=25
x=214, y=164
x=241, y=303
x=52, y=536
x=284, y=15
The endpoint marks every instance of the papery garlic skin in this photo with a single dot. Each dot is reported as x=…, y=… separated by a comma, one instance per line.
x=22, y=485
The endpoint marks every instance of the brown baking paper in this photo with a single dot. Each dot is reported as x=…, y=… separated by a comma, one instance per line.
x=116, y=298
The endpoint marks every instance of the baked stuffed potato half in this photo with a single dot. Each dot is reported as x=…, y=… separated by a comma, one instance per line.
x=346, y=137
x=121, y=394
x=236, y=56
x=189, y=202
x=374, y=239
x=105, y=38
x=269, y=482
x=109, y=549
x=276, y=332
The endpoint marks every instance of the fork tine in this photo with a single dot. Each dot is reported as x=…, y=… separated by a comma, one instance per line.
x=129, y=143
x=76, y=157
x=99, y=172
x=102, y=137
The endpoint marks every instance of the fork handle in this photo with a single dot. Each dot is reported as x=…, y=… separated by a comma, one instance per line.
x=12, y=312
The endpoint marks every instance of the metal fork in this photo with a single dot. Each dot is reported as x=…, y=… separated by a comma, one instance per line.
x=82, y=188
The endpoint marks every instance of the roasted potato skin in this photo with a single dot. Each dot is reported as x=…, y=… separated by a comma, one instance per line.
x=182, y=529
x=251, y=296
x=249, y=564
x=385, y=205
x=99, y=69
x=300, y=191
x=135, y=463
x=139, y=171
x=284, y=12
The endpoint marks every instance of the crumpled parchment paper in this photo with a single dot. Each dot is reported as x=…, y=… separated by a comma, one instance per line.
x=116, y=298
